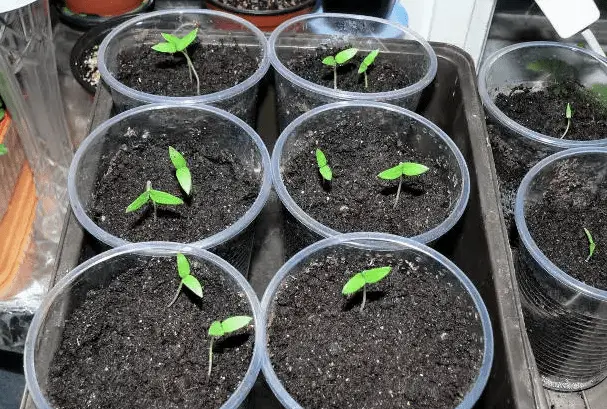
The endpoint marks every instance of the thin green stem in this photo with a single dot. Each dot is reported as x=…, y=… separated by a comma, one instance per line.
x=148, y=187
x=210, y=358
x=362, y=306
x=176, y=294
x=366, y=81
x=335, y=76
x=400, y=183
x=566, y=129
x=192, y=70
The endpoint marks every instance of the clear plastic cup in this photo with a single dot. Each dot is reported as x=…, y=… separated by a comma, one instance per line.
x=44, y=337
x=566, y=318
x=214, y=27
x=235, y=242
x=296, y=95
x=400, y=247
x=301, y=228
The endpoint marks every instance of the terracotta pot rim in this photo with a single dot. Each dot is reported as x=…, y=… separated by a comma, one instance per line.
x=221, y=6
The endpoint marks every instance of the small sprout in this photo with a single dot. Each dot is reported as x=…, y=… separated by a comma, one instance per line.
x=340, y=58
x=568, y=117
x=369, y=59
x=156, y=197
x=323, y=166
x=591, y=244
x=184, y=177
x=187, y=279
x=219, y=329
x=3, y=149
x=400, y=170
x=360, y=280
x=175, y=44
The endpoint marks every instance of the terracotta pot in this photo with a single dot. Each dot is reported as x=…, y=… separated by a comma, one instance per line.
x=102, y=7
x=265, y=20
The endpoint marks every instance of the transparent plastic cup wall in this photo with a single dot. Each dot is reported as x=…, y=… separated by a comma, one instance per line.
x=214, y=27
x=235, y=242
x=296, y=95
x=566, y=318
x=353, y=243
x=508, y=68
x=45, y=334
x=301, y=229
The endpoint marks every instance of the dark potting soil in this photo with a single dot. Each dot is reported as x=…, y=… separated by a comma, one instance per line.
x=557, y=224
x=544, y=110
x=389, y=72
x=264, y=4
x=123, y=348
x=358, y=149
x=416, y=344
x=219, y=66
x=222, y=188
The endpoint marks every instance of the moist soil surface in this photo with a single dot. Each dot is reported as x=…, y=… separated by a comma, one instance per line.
x=557, y=224
x=544, y=110
x=123, y=348
x=219, y=66
x=414, y=345
x=222, y=188
x=356, y=199
x=387, y=73
x=264, y=4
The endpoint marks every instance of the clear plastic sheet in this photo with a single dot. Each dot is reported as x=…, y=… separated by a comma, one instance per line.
x=30, y=89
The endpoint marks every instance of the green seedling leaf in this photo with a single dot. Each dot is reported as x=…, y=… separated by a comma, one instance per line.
x=323, y=166
x=183, y=266
x=216, y=330
x=591, y=244
x=137, y=203
x=165, y=48
x=354, y=284
x=186, y=40
x=170, y=38
x=193, y=284
x=235, y=323
x=184, y=177
x=330, y=61
x=392, y=173
x=375, y=274
x=369, y=59
x=177, y=158
x=568, y=111
x=345, y=55
x=164, y=198
x=413, y=169
x=3, y=149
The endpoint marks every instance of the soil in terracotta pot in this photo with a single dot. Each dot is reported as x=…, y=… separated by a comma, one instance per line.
x=557, y=224
x=388, y=73
x=219, y=66
x=416, y=344
x=123, y=348
x=358, y=149
x=262, y=5
x=224, y=187
x=544, y=110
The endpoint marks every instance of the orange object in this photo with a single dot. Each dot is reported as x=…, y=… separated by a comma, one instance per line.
x=264, y=20
x=104, y=8
x=16, y=231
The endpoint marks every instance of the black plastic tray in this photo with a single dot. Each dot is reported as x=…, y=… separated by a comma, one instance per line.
x=478, y=245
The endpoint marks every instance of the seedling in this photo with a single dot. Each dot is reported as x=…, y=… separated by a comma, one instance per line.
x=400, y=170
x=220, y=328
x=369, y=59
x=156, y=197
x=174, y=45
x=184, y=177
x=340, y=58
x=187, y=279
x=3, y=149
x=568, y=116
x=323, y=166
x=591, y=244
x=360, y=280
